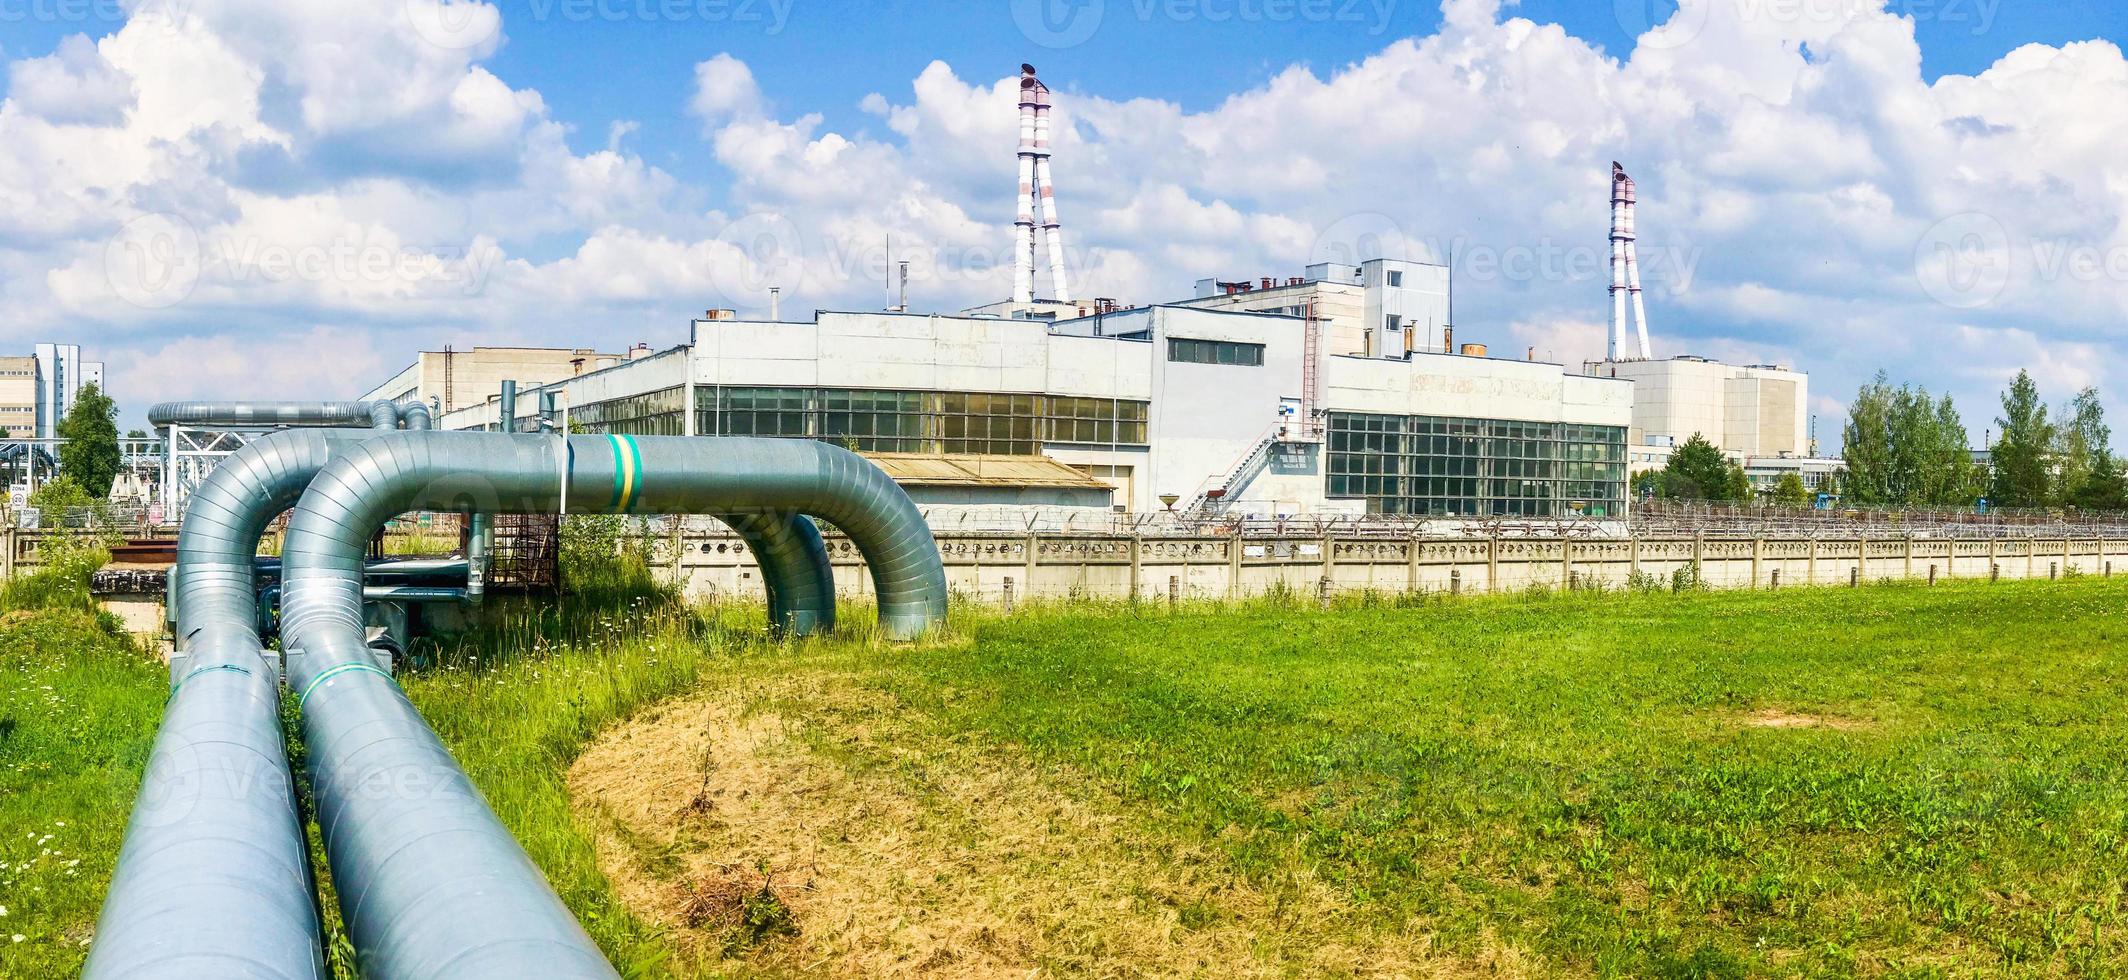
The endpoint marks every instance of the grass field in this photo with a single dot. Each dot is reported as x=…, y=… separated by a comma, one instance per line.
x=78, y=709
x=1891, y=781
x=1896, y=780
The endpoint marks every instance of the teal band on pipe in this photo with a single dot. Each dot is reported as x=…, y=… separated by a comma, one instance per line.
x=210, y=668
x=336, y=671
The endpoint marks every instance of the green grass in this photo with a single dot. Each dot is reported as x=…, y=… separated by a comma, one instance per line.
x=1584, y=779
x=1580, y=776
x=78, y=709
x=517, y=700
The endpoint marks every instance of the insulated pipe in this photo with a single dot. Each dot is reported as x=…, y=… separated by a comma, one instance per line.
x=796, y=573
x=416, y=414
x=430, y=882
x=214, y=877
x=345, y=415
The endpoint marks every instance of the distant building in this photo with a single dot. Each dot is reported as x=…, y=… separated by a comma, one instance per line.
x=1744, y=410
x=1215, y=411
x=1379, y=308
x=61, y=373
x=454, y=379
x=18, y=395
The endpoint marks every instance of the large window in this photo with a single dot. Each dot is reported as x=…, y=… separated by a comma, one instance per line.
x=1421, y=464
x=1015, y=424
x=655, y=413
x=1184, y=350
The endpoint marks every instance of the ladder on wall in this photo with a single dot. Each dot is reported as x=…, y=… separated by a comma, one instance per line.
x=1311, y=357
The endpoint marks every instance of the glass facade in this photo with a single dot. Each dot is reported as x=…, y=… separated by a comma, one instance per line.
x=653, y=413
x=920, y=421
x=1422, y=464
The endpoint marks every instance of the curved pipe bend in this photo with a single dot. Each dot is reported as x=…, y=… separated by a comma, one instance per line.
x=430, y=882
x=213, y=879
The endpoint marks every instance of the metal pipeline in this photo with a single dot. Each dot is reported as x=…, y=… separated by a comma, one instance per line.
x=321, y=414
x=213, y=879
x=431, y=884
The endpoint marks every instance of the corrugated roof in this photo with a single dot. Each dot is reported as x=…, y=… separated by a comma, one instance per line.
x=966, y=470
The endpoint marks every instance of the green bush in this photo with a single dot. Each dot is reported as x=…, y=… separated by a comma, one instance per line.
x=61, y=580
x=608, y=555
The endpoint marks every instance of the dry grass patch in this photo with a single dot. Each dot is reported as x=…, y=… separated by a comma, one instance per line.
x=855, y=844
x=1779, y=718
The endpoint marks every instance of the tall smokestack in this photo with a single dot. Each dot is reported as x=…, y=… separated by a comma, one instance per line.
x=1625, y=269
x=1037, y=194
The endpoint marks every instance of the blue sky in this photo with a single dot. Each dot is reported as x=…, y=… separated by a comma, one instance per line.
x=825, y=55
x=1830, y=184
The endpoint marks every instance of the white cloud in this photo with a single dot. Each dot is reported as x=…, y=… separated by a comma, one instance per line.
x=1806, y=195
x=725, y=91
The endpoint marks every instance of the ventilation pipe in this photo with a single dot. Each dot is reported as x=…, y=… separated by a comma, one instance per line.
x=213, y=879
x=430, y=882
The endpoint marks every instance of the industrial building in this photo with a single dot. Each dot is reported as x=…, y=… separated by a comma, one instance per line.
x=1745, y=410
x=450, y=379
x=1173, y=407
x=1381, y=307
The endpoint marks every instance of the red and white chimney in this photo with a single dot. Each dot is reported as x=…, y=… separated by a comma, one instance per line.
x=1625, y=270
x=1037, y=196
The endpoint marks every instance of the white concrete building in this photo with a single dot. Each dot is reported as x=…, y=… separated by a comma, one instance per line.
x=1200, y=407
x=1379, y=308
x=1745, y=410
x=61, y=373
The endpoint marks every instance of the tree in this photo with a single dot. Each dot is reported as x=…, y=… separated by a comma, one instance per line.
x=1739, y=485
x=2105, y=488
x=1648, y=483
x=1697, y=471
x=136, y=433
x=90, y=454
x=1830, y=486
x=1789, y=491
x=2080, y=443
x=1904, y=448
x=1866, y=443
x=2021, y=453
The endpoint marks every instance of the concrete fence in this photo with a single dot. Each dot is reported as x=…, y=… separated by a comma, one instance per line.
x=1005, y=567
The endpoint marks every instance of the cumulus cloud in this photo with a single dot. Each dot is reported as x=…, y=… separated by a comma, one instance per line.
x=1806, y=195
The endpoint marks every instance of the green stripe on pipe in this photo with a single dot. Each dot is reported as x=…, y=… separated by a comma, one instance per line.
x=620, y=473
x=330, y=673
x=635, y=470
